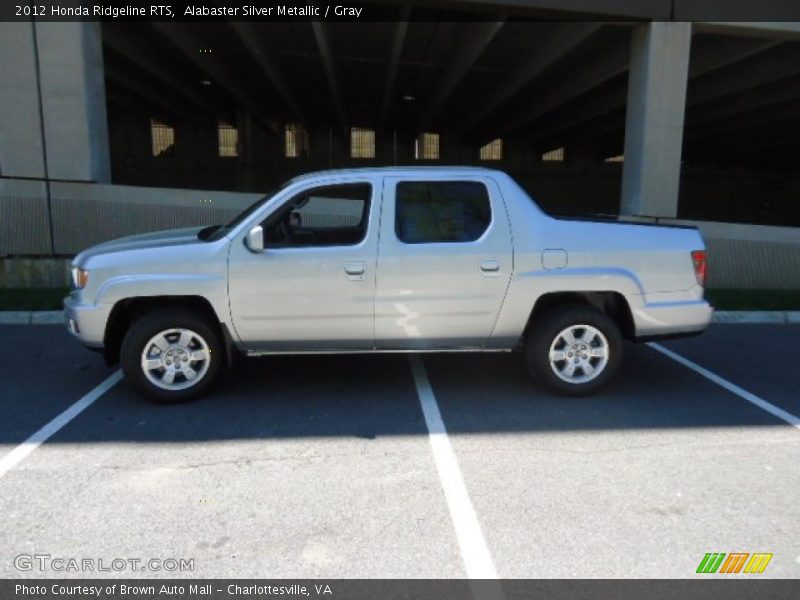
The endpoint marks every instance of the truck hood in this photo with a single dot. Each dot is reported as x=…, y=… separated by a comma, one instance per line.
x=157, y=239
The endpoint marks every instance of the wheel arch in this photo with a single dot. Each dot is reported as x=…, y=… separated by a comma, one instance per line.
x=127, y=310
x=611, y=303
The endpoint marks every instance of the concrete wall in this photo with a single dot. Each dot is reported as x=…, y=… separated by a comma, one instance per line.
x=750, y=256
x=84, y=214
x=740, y=256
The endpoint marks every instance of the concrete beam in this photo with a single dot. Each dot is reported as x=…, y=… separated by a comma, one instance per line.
x=768, y=134
x=767, y=154
x=751, y=100
x=562, y=40
x=777, y=63
x=595, y=106
x=774, y=121
x=182, y=38
x=321, y=37
x=599, y=105
x=623, y=9
x=590, y=133
x=121, y=96
x=398, y=40
x=596, y=70
x=724, y=114
x=704, y=60
x=723, y=51
x=465, y=52
x=146, y=94
x=787, y=30
x=745, y=122
x=159, y=67
x=654, y=125
x=263, y=57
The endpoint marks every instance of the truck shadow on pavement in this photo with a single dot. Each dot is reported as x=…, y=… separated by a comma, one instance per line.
x=363, y=396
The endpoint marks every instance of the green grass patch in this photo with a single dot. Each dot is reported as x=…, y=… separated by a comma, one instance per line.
x=754, y=299
x=32, y=298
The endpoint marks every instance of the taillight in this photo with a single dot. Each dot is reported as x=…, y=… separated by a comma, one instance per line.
x=700, y=266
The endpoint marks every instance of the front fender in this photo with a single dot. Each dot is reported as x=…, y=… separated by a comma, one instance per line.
x=121, y=287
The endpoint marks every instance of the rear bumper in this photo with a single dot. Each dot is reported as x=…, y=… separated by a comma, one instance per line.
x=672, y=319
x=86, y=322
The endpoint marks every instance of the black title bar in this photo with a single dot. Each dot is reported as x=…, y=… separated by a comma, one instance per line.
x=393, y=10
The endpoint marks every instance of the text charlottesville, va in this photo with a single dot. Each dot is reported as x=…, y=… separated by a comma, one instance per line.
x=269, y=11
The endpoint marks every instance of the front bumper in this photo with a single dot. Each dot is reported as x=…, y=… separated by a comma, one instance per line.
x=672, y=318
x=87, y=322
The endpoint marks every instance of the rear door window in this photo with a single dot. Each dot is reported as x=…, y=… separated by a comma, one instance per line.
x=441, y=211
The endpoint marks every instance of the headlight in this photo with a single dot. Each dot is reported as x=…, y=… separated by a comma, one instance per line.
x=80, y=278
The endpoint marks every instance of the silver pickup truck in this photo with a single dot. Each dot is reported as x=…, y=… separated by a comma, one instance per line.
x=387, y=260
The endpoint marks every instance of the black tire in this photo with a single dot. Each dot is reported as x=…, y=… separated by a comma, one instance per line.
x=147, y=327
x=545, y=334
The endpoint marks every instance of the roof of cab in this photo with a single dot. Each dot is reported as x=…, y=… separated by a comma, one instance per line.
x=407, y=170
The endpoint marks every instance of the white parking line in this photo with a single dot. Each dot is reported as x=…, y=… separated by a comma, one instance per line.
x=18, y=454
x=474, y=552
x=731, y=387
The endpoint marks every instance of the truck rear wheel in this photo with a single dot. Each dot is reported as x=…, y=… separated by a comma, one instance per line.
x=575, y=350
x=171, y=355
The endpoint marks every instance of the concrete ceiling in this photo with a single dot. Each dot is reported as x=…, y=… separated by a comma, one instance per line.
x=545, y=84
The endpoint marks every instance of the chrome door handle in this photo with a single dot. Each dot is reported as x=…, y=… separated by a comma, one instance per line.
x=355, y=270
x=490, y=265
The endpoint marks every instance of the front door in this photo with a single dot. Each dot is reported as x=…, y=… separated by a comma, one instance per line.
x=313, y=286
x=444, y=263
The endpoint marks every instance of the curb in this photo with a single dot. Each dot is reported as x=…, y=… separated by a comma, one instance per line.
x=27, y=317
x=757, y=316
x=56, y=317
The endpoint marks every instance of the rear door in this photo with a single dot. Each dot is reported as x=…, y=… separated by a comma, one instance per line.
x=444, y=262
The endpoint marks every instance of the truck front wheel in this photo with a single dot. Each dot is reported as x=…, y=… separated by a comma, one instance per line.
x=574, y=350
x=170, y=355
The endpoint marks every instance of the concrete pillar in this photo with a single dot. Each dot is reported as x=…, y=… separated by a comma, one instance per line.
x=73, y=101
x=21, y=147
x=52, y=102
x=654, y=122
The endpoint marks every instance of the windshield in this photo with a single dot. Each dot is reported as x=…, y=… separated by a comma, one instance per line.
x=216, y=232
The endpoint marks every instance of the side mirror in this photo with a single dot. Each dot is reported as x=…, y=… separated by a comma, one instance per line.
x=255, y=239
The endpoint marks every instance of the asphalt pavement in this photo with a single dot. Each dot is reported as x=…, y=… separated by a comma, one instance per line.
x=337, y=467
